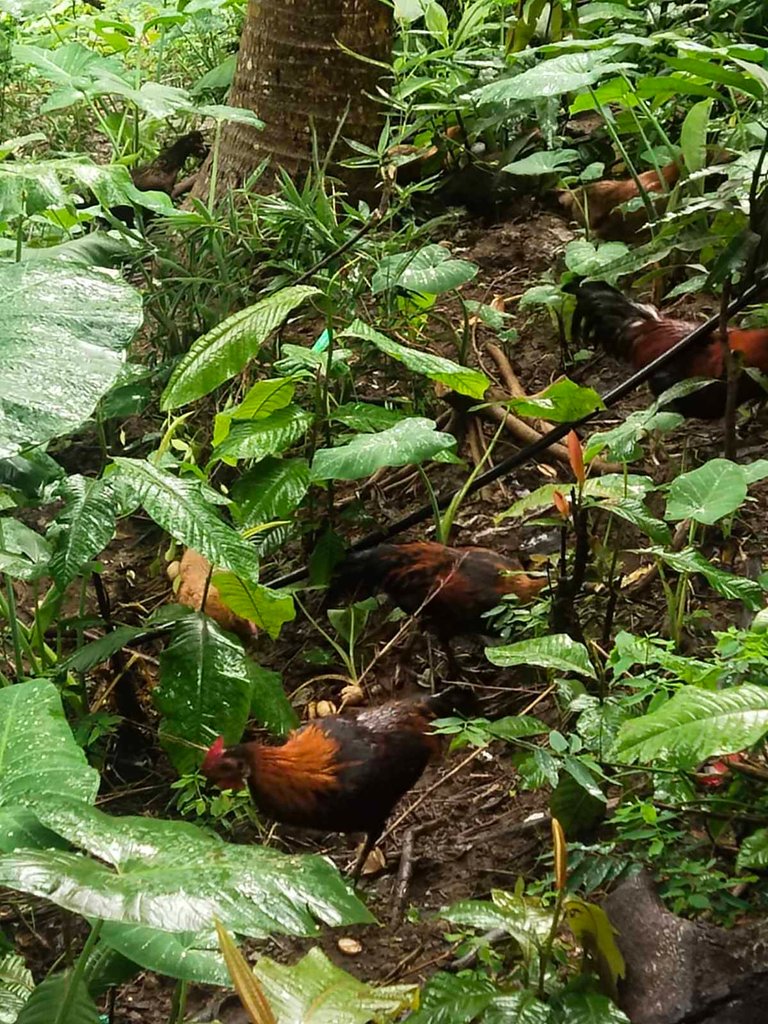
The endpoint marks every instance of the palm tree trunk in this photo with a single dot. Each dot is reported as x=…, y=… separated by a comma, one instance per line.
x=294, y=73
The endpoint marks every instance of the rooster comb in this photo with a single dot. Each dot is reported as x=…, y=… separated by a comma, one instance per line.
x=213, y=755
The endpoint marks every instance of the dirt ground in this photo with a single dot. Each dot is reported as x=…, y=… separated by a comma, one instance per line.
x=468, y=811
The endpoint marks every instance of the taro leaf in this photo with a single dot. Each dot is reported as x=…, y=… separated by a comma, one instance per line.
x=543, y=162
x=694, y=725
x=224, y=351
x=431, y=271
x=268, y=609
x=754, y=851
x=735, y=588
x=366, y=416
x=204, y=691
x=39, y=762
x=445, y=371
x=409, y=442
x=258, y=438
x=62, y=342
x=47, y=1002
x=708, y=493
x=755, y=471
x=178, y=506
x=272, y=490
x=588, y=260
x=189, y=956
x=576, y=809
x=560, y=402
x=567, y=73
x=175, y=876
x=24, y=554
x=84, y=527
x=557, y=651
x=315, y=989
x=16, y=984
x=449, y=999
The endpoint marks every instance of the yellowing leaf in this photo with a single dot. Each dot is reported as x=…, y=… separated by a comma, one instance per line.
x=595, y=934
x=561, y=855
x=244, y=980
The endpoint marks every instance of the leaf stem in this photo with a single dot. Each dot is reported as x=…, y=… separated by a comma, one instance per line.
x=77, y=974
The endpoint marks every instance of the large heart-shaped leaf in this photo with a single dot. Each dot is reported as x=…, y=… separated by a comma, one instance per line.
x=39, y=761
x=191, y=956
x=708, y=493
x=431, y=271
x=567, y=73
x=178, y=506
x=63, y=334
x=316, y=989
x=224, y=351
x=174, y=876
x=410, y=441
x=696, y=724
x=453, y=375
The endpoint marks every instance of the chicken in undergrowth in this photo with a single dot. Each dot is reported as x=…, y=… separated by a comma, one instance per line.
x=637, y=334
x=161, y=175
x=598, y=204
x=452, y=588
x=342, y=773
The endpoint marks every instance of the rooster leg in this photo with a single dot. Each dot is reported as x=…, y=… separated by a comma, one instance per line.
x=362, y=857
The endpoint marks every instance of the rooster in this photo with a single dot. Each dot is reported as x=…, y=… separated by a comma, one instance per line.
x=598, y=204
x=638, y=334
x=340, y=773
x=161, y=175
x=452, y=587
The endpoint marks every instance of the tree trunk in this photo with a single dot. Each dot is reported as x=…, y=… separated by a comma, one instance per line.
x=293, y=73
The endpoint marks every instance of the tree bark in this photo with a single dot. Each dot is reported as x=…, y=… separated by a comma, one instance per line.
x=294, y=73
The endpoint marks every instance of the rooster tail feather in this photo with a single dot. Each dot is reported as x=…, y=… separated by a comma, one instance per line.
x=604, y=315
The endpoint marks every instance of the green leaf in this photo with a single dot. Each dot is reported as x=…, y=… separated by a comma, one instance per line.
x=268, y=608
x=265, y=397
x=513, y=727
x=85, y=526
x=560, y=402
x=224, y=351
x=453, y=375
x=175, y=876
x=587, y=1008
x=593, y=260
x=366, y=416
x=204, y=691
x=755, y=471
x=190, y=956
x=409, y=442
x=450, y=999
x=270, y=491
x=46, y=1002
x=549, y=162
x=583, y=776
x=63, y=335
x=693, y=135
x=177, y=506
x=708, y=493
x=259, y=438
x=623, y=442
x=557, y=652
x=696, y=724
x=612, y=486
x=523, y=919
x=519, y=1007
x=735, y=588
x=567, y=73
x=39, y=760
x=430, y=271
x=97, y=651
x=24, y=554
x=16, y=984
x=636, y=513
x=574, y=807
x=316, y=989
x=269, y=704
x=754, y=851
